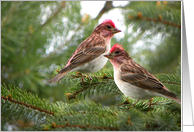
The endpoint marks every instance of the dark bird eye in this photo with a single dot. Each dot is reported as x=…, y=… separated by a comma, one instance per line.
x=108, y=27
x=117, y=52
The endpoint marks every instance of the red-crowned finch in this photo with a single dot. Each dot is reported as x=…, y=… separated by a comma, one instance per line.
x=133, y=80
x=88, y=57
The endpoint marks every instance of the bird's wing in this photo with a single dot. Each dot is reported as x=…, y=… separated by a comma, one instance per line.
x=88, y=54
x=136, y=75
x=87, y=51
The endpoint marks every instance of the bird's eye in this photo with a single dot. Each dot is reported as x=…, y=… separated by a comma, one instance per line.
x=117, y=52
x=109, y=27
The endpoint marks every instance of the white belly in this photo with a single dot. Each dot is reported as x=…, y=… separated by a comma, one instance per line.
x=92, y=66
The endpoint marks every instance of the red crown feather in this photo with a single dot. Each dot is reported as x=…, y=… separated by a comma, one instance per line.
x=116, y=47
x=108, y=21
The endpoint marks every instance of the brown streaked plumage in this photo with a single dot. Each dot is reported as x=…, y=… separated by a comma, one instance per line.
x=134, y=80
x=88, y=57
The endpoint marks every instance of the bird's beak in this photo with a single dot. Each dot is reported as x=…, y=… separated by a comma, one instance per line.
x=109, y=56
x=115, y=30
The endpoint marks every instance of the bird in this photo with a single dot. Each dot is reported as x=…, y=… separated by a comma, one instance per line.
x=133, y=80
x=88, y=57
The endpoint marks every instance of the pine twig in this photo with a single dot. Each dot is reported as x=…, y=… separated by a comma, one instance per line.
x=73, y=95
x=26, y=105
x=139, y=16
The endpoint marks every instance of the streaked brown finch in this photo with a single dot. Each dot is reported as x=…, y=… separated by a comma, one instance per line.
x=135, y=81
x=88, y=57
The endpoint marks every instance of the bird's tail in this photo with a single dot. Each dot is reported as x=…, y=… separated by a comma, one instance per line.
x=175, y=99
x=57, y=77
x=171, y=95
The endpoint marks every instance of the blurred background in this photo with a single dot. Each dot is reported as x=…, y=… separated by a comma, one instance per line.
x=37, y=37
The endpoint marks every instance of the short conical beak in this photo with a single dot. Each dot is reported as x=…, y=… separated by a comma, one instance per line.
x=109, y=56
x=116, y=30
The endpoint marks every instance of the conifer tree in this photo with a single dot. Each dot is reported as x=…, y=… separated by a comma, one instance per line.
x=37, y=37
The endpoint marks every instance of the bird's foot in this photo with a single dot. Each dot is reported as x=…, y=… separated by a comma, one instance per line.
x=90, y=78
x=82, y=79
x=133, y=105
x=150, y=104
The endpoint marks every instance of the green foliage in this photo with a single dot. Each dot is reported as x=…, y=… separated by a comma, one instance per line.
x=158, y=19
x=28, y=32
x=163, y=120
x=169, y=78
x=38, y=37
x=132, y=120
x=84, y=115
x=25, y=98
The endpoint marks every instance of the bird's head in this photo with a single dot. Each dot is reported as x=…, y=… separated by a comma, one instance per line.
x=117, y=53
x=107, y=28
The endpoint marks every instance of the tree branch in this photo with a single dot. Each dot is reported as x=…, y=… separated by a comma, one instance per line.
x=26, y=105
x=107, y=7
x=139, y=16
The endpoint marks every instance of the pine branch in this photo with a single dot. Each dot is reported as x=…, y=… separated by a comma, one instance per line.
x=92, y=116
x=86, y=116
x=73, y=95
x=103, y=83
x=88, y=83
x=17, y=96
x=169, y=78
x=26, y=105
x=14, y=112
x=159, y=20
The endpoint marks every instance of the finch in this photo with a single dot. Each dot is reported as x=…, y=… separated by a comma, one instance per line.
x=135, y=81
x=88, y=57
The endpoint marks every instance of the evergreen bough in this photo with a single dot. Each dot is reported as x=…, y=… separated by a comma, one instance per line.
x=78, y=113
